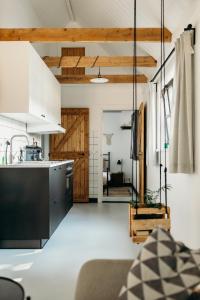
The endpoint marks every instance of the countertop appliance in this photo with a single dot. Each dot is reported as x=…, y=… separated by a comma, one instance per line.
x=33, y=152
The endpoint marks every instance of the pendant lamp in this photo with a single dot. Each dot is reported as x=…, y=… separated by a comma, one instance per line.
x=99, y=78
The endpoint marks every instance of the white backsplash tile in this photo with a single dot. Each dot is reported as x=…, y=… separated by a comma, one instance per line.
x=8, y=128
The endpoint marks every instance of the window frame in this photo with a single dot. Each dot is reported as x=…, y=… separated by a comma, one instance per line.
x=163, y=100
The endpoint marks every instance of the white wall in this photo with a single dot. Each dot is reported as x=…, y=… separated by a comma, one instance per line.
x=8, y=128
x=19, y=14
x=184, y=198
x=120, y=143
x=99, y=98
x=16, y=13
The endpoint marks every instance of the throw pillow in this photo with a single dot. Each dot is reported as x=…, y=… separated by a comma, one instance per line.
x=164, y=269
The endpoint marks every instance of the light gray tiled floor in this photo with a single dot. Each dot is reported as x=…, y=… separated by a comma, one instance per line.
x=89, y=231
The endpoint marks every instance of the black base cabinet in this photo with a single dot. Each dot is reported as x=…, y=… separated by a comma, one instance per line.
x=33, y=202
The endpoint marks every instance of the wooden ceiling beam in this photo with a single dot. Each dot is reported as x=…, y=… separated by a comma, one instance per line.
x=98, y=61
x=83, y=34
x=85, y=79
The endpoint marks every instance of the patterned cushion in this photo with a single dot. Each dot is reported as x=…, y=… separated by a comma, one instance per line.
x=164, y=269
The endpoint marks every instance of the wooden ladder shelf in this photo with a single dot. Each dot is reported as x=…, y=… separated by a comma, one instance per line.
x=146, y=219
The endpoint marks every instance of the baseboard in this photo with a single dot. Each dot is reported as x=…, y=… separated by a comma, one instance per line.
x=112, y=201
x=93, y=200
x=121, y=185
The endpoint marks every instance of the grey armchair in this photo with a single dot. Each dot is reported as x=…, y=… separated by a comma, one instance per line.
x=11, y=290
x=102, y=279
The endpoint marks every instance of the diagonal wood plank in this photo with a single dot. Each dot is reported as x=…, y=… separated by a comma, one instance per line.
x=77, y=163
x=84, y=34
x=69, y=133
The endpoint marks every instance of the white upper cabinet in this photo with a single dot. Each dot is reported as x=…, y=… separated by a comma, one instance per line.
x=52, y=98
x=36, y=85
x=29, y=92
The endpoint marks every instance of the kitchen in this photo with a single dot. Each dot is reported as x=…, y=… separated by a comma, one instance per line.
x=49, y=52
x=36, y=194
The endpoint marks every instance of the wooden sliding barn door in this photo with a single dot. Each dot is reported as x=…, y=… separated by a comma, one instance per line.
x=74, y=144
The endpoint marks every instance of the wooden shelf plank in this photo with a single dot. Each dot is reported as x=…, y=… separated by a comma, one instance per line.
x=150, y=224
x=139, y=239
x=149, y=211
x=83, y=34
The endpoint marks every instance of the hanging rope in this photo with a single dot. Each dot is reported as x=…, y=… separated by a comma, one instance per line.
x=135, y=97
x=161, y=80
x=163, y=86
x=134, y=116
x=165, y=124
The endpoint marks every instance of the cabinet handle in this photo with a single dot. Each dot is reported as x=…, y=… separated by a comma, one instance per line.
x=55, y=169
x=59, y=124
x=43, y=116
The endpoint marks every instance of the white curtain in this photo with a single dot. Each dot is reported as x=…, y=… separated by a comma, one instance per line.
x=151, y=125
x=181, y=159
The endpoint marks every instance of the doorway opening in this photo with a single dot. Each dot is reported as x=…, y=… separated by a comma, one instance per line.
x=117, y=164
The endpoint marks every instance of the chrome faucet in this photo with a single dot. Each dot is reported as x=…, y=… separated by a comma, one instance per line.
x=11, y=144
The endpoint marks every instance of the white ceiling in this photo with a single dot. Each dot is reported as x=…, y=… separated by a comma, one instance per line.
x=113, y=13
x=118, y=13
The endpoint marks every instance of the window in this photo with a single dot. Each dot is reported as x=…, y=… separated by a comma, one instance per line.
x=164, y=107
x=167, y=107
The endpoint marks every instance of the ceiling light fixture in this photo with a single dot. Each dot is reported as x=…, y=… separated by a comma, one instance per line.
x=99, y=78
x=70, y=11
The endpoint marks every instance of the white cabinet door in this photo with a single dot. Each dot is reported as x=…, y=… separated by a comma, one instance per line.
x=29, y=92
x=52, y=97
x=14, y=77
x=36, y=86
x=56, y=98
x=45, y=91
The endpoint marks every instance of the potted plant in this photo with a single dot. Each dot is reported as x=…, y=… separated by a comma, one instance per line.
x=151, y=197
